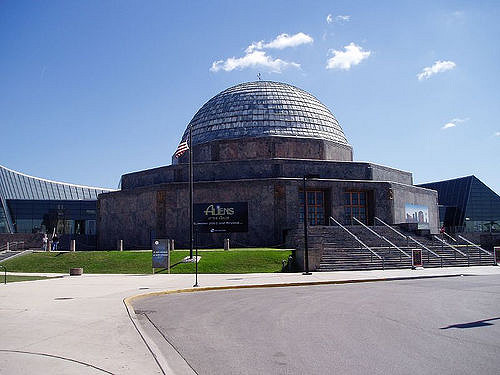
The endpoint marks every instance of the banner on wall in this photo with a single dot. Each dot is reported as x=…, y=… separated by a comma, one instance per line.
x=419, y=214
x=221, y=217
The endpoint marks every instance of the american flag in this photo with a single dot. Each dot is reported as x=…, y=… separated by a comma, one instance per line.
x=182, y=148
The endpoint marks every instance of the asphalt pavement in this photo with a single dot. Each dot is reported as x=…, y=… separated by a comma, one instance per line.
x=85, y=324
x=423, y=326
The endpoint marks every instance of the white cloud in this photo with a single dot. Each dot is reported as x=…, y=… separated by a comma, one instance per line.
x=339, y=18
x=256, y=57
x=458, y=120
x=343, y=18
x=352, y=55
x=281, y=41
x=452, y=123
x=253, y=59
x=497, y=134
x=438, y=67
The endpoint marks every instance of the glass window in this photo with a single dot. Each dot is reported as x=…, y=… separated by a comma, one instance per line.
x=315, y=207
x=355, y=206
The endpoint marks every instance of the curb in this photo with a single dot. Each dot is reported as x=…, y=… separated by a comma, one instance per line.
x=157, y=354
x=280, y=285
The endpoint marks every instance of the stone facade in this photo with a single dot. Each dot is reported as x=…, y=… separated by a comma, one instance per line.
x=155, y=203
x=265, y=168
x=268, y=148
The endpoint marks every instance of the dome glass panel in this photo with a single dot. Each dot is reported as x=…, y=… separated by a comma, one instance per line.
x=264, y=108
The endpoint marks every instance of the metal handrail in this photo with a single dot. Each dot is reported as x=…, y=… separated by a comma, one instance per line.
x=388, y=226
x=12, y=243
x=381, y=237
x=453, y=247
x=4, y=274
x=357, y=239
x=476, y=246
x=411, y=238
x=450, y=237
x=426, y=248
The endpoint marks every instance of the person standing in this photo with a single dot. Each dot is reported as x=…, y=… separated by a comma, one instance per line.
x=55, y=241
x=45, y=240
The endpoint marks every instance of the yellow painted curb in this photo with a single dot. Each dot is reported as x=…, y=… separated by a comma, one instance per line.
x=129, y=300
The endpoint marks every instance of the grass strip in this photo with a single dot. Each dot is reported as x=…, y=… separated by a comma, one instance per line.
x=15, y=278
x=234, y=261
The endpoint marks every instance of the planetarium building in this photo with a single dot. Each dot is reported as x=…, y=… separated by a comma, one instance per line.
x=256, y=147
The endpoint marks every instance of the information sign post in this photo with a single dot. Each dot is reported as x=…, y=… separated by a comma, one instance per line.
x=416, y=258
x=161, y=254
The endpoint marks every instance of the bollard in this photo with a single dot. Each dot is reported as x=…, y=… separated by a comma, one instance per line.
x=8, y=246
x=120, y=245
x=226, y=244
x=172, y=244
x=49, y=246
x=72, y=245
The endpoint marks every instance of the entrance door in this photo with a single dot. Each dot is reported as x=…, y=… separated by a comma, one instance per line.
x=315, y=207
x=355, y=206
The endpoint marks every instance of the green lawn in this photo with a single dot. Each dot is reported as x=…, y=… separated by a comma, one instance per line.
x=15, y=278
x=234, y=261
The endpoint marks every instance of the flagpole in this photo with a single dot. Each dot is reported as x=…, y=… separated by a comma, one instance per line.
x=191, y=228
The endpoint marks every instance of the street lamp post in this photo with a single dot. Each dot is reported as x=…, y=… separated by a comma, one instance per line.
x=306, y=246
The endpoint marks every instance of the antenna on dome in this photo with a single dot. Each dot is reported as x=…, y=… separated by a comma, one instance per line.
x=259, y=76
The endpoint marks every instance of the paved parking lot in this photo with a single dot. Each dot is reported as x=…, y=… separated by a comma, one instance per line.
x=425, y=326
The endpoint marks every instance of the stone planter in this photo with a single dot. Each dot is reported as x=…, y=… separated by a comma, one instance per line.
x=76, y=271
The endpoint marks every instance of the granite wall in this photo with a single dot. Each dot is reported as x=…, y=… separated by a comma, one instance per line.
x=140, y=214
x=403, y=194
x=274, y=168
x=267, y=148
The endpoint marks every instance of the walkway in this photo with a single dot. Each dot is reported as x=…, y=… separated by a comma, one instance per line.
x=67, y=325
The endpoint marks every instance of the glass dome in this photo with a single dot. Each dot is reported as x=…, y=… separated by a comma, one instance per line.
x=264, y=108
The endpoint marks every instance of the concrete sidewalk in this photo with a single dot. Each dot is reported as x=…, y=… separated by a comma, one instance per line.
x=80, y=325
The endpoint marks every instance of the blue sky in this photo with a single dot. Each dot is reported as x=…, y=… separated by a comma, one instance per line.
x=90, y=90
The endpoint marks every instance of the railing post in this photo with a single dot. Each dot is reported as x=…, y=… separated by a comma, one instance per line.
x=4, y=274
x=8, y=246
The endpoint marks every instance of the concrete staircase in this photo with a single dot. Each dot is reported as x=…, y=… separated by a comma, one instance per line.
x=340, y=251
x=4, y=255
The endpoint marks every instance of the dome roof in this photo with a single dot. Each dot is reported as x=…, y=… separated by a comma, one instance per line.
x=263, y=108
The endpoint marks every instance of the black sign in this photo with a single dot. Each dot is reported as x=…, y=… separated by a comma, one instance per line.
x=416, y=255
x=221, y=217
x=160, y=253
x=496, y=249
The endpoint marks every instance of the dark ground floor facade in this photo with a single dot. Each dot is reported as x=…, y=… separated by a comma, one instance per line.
x=275, y=207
